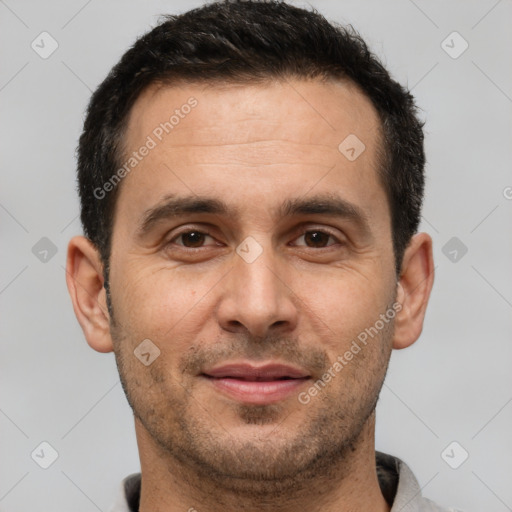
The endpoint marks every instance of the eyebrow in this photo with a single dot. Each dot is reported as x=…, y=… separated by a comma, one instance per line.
x=173, y=206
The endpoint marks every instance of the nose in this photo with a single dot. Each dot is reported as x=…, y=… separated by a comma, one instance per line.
x=257, y=298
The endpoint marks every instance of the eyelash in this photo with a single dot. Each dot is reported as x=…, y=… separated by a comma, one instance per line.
x=300, y=234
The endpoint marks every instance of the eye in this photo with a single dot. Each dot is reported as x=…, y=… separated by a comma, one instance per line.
x=312, y=238
x=192, y=239
x=317, y=238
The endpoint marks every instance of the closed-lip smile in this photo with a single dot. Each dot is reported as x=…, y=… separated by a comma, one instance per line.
x=256, y=384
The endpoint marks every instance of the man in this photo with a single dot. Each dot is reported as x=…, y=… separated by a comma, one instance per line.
x=251, y=180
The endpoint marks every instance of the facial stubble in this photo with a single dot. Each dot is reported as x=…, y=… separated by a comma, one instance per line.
x=191, y=434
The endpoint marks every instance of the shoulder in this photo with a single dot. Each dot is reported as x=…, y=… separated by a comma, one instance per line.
x=401, y=488
x=128, y=496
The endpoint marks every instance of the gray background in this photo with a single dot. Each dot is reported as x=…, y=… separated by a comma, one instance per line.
x=454, y=384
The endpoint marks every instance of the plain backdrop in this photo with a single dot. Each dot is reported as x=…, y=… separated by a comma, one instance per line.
x=453, y=385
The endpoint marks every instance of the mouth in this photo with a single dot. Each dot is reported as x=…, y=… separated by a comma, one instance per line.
x=256, y=385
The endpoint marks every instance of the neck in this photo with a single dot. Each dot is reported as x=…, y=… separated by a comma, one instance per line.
x=348, y=484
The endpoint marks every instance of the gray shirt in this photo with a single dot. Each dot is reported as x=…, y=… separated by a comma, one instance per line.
x=397, y=482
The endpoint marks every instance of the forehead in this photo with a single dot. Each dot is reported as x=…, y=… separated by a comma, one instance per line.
x=311, y=111
x=281, y=137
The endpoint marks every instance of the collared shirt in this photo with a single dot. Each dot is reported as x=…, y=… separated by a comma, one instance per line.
x=397, y=482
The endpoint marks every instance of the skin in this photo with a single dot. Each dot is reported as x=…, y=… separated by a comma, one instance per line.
x=302, y=301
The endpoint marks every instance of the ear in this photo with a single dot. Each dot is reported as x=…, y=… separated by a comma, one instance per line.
x=414, y=287
x=84, y=278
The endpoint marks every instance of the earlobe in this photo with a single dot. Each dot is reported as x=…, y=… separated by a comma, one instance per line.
x=84, y=279
x=413, y=290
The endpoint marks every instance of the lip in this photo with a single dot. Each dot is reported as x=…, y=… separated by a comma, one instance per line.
x=259, y=385
x=247, y=371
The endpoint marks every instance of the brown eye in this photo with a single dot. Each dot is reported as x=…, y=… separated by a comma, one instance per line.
x=316, y=239
x=191, y=239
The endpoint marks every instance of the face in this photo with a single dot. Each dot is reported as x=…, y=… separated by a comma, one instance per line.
x=253, y=253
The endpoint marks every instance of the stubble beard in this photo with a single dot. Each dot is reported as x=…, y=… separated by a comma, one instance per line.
x=271, y=466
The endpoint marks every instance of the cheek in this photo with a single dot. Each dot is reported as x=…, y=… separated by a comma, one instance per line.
x=345, y=302
x=161, y=304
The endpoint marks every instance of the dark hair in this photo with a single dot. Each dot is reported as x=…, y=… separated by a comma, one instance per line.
x=243, y=41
